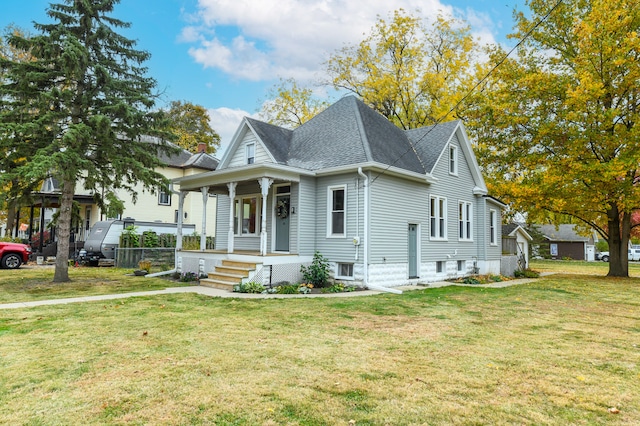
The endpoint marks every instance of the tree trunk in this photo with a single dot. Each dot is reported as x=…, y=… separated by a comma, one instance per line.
x=11, y=217
x=619, y=232
x=64, y=231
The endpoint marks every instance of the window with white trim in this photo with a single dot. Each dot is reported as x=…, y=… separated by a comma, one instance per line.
x=493, y=227
x=337, y=208
x=344, y=271
x=461, y=265
x=246, y=215
x=453, y=159
x=251, y=153
x=465, y=217
x=438, y=218
x=439, y=267
x=164, y=198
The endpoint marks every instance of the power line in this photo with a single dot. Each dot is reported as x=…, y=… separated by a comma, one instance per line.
x=482, y=80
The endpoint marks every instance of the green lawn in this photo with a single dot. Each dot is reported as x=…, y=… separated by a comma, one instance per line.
x=35, y=283
x=561, y=350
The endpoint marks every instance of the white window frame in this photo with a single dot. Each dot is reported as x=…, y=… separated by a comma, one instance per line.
x=465, y=221
x=437, y=218
x=441, y=267
x=162, y=194
x=338, y=270
x=331, y=211
x=493, y=227
x=453, y=160
x=250, y=153
x=238, y=219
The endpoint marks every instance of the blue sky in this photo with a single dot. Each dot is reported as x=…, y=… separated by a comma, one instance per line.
x=226, y=54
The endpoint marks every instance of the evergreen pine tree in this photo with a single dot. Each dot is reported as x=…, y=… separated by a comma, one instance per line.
x=81, y=110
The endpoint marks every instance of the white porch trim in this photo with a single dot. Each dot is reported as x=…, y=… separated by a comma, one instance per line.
x=231, y=234
x=265, y=184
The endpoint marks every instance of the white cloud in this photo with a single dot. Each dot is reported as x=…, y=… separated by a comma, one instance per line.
x=225, y=121
x=268, y=39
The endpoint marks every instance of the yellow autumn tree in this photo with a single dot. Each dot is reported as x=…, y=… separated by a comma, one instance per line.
x=290, y=105
x=411, y=72
x=557, y=125
x=190, y=124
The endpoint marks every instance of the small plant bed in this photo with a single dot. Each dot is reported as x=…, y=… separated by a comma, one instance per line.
x=300, y=288
x=482, y=279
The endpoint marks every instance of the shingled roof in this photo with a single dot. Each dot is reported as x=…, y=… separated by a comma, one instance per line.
x=349, y=132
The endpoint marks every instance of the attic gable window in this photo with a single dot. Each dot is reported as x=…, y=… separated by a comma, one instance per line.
x=337, y=218
x=251, y=153
x=453, y=160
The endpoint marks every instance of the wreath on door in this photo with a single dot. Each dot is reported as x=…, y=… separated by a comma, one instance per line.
x=282, y=209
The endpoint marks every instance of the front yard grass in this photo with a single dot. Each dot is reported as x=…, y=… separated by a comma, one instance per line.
x=561, y=350
x=35, y=283
x=580, y=267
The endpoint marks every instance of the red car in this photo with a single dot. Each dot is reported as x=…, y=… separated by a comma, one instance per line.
x=12, y=255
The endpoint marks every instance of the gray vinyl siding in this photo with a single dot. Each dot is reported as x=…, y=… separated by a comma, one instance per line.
x=455, y=188
x=306, y=213
x=239, y=156
x=395, y=203
x=222, y=222
x=339, y=249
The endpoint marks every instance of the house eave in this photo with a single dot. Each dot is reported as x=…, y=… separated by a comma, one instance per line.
x=242, y=173
x=381, y=169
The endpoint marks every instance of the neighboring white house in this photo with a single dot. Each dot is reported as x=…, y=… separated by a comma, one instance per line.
x=158, y=207
x=386, y=207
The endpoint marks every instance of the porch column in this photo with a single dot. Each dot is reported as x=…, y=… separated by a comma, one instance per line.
x=181, y=196
x=232, y=204
x=265, y=183
x=203, y=235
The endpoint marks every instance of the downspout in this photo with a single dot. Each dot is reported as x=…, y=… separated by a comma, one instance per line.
x=365, y=249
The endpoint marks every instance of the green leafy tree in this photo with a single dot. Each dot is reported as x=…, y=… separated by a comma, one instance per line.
x=290, y=105
x=411, y=73
x=557, y=125
x=81, y=110
x=190, y=123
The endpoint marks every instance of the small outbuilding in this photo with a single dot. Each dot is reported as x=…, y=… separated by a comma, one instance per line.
x=515, y=242
x=565, y=242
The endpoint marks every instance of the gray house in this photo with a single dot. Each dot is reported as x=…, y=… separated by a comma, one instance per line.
x=386, y=207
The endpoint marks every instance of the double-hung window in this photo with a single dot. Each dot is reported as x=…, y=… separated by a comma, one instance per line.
x=465, y=215
x=164, y=198
x=337, y=205
x=493, y=227
x=246, y=215
x=438, y=218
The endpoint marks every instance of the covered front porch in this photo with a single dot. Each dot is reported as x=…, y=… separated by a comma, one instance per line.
x=257, y=222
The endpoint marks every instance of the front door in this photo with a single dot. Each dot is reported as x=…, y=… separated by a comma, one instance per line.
x=413, y=250
x=283, y=210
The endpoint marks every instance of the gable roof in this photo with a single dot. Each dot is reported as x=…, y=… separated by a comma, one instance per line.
x=184, y=159
x=564, y=232
x=351, y=133
x=510, y=230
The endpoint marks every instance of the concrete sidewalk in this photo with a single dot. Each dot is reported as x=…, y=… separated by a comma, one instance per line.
x=214, y=292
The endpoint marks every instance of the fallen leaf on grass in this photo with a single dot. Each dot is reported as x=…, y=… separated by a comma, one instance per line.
x=613, y=410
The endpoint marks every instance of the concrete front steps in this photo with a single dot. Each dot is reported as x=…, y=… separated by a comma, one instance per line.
x=228, y=274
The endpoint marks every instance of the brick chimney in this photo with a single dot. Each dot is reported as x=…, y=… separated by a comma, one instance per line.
x=202, y=147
